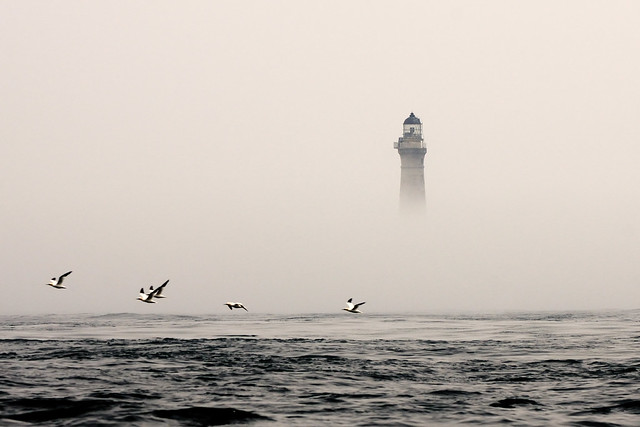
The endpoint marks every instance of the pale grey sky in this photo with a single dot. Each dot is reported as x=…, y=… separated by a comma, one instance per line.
x=244, y=150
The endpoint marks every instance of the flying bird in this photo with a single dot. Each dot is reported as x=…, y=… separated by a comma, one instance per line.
x=152, y=294
x=233, y=305
x=57, y=282
x=351, y=307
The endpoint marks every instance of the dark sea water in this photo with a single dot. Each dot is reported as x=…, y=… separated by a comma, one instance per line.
x=533, y=369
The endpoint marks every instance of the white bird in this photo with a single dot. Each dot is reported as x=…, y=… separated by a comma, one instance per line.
x=233, y=305
x=57, y=282
x=154, y=293
x=353, y=308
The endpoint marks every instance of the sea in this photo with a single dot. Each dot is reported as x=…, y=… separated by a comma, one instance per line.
x=342, y=369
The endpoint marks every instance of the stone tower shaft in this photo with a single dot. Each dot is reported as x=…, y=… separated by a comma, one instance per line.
x=412, y=150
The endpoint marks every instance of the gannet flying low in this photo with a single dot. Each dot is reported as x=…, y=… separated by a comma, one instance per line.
x=152, y=294
x=57, y=282
x=233, y=305
x=353, y=308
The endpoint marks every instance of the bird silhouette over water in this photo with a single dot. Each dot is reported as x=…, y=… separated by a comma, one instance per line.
x=148, y=298
x=57, y=282
x=233, y=305
x=353, y=308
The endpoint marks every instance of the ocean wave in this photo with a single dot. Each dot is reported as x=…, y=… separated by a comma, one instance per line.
x=206, y=416
x=478, y=373
x=52, y=409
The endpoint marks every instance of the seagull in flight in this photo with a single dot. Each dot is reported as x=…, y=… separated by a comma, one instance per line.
x=57, y=282
x=152, y=294
x=233, y=305
x=351, y=307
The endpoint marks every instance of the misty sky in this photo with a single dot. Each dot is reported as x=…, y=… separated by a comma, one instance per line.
x=244, y=150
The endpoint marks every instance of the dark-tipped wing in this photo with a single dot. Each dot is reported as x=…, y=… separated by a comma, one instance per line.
x=350, y=299
x=61, y=278
x=355, y=307
x=158, y=290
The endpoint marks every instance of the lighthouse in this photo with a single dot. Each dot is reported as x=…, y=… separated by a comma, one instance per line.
x=412, y=149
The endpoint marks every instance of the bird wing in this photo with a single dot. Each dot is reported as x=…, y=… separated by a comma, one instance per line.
x=61, y=278
x=158, y=290
x=355, y=307
x=245, y=308
x=349, y=305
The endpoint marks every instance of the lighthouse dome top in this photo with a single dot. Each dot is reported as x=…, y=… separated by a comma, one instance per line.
x=412, y=120
x=412, y=127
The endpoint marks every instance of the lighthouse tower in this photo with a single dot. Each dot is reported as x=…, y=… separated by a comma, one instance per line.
x=412, y=150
